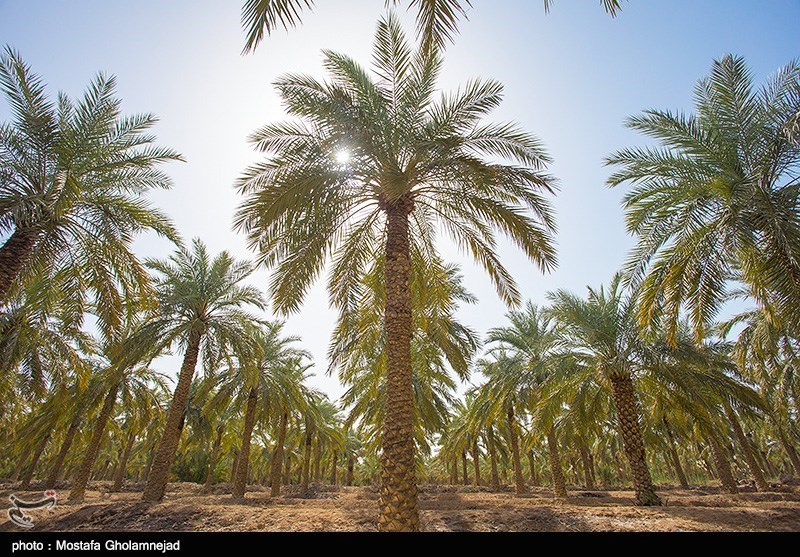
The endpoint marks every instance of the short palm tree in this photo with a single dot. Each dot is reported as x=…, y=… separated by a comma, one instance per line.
x=373, y=164
x=72, y=176
x=717, y=199
x=202, y=309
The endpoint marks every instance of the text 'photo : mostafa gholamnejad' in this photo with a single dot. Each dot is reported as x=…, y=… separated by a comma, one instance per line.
x=117, y=545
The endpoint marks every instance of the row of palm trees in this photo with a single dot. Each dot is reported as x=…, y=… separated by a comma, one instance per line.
x=372, y=169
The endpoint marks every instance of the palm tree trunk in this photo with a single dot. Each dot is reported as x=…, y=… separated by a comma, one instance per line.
x=14, y=255
x=26, y=479
x=306, y=474
x=351, y=464
x=317, y=461
x=791, y=452
x=277, y=459
x=399, y=510
x=586, y=462
x=493, y=459
x=335, y=463
x=23, y=459
x=747, y=450
x=628, y=416
x=212, y=463
x=240, y=483
x=119, y=477
x=165, y=455
x=149, y=464
x=559, y=486
x=676, y=461
x=722, y=465
x=55, y=469
x=452, y=466
x=476, y=462
x=532, y=469
x=464, y=475
x=519, y=481
x=78, y=490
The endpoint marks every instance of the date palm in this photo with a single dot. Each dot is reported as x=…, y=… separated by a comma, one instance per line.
x=374, y=163
x=437, y=20
x=72, y=177
x=717, y=199
x=202, y=310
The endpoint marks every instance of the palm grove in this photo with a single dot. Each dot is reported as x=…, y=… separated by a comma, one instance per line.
x=636, y=382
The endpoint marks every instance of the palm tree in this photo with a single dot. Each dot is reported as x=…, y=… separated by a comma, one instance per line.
x=602, y=335
x=259, y=383
x=437, y=20
x=717, y=200
x=201, y=309
x=71, y=185
x=373, y=166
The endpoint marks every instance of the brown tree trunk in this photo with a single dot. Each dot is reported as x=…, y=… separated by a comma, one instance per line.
x=55, y=469
x=14, y=255
x=519, y=481
x=747, y=450
x=28, y=477
x=306, y=473
x=559, y=485
x=791, y=452
x=317, y=461
x=722, y=465
x=23, y=459
x=212, y=463
x=628, y=416
x=532, y=469
x=149, y=464
x=476, y=462
x=399, y=510
x=464, y=475
x=119, y=477
x=586, y=463
x=351, y=464
x=78, y=490
x=676, y=461
x=490, y=444
x=242, y=469
x=276, y=470
x=165, y=455
x=334, y=464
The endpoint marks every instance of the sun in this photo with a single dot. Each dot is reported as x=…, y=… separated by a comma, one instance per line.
x=343, y=156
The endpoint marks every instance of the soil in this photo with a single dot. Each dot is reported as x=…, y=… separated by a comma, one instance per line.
x=444, y=508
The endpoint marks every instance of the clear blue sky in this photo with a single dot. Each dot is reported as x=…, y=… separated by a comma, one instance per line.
x=571, y=78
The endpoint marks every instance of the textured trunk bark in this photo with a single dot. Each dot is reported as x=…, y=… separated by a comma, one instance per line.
x=532, y=469
x=490, y=442
x=747, y=450
x=277, y=459
x=55, y=469
x=14, y=255
x=28, y=477
x=334, y=465
x=165, y=455
x=212, y=463
x=78, y=490
x=519, y=481
x=317, y=461
x=628, y=415
x=676, y=461
x=399, y=510
x=240, y=484
x=586, y=463
x=722, y=464
x=306, y=475
x=119, y=477
x=476, y=460
x=791, y=452
x=768, y=466
x=149, y=464
x=452, y=467
x=559, y=486
x=351, y=464
x=464, y=474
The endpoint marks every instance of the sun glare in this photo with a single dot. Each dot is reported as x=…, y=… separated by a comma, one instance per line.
x=343, y=156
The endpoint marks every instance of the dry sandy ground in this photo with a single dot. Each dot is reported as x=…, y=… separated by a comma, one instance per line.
x=444, y=508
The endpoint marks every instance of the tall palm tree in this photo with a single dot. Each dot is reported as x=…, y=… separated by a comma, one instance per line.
x=372, y=165
x=717, y=199
x=202, y=309
x=602, y=336
x=72, y=176
x=437, y=20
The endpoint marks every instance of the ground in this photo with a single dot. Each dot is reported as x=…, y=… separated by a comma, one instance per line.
x=444, y=508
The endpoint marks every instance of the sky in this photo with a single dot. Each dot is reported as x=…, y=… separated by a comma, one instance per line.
x=571, y=78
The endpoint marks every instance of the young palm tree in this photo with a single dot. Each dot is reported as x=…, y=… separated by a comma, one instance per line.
x=717, y=199
x=72, y=176
x=374, y=164
x=437, y=20
x=201, y=309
